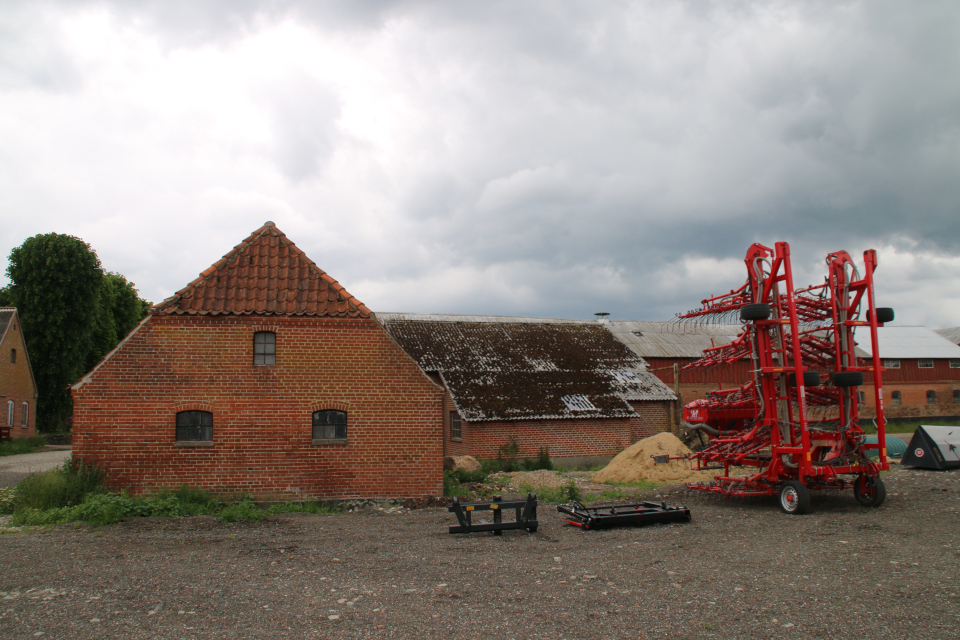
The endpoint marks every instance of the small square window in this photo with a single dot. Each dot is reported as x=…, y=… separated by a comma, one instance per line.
x=895, y=398
x=955, y=364
x=329, y=425
x=925, y=364
x=931, y=397
x=891, y=364
x=194, y=426
x=456, y=427
x=264, y=348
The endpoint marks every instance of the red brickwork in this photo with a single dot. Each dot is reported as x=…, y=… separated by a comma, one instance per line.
x=564, y=438
x=16, y=383
x=125, y=410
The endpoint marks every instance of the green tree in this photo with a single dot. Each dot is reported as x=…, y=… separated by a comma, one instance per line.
x=55, y=282
x=120, y=309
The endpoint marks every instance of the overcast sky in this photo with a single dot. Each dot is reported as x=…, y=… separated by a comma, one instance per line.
x=523, y=158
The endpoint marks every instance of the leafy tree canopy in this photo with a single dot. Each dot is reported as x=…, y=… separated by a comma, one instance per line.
x=72, y=314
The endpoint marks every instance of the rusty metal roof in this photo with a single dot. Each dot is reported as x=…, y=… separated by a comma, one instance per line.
x=266, y=274
x=508, y=368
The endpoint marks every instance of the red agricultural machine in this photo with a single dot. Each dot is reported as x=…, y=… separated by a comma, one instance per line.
x=794, y=427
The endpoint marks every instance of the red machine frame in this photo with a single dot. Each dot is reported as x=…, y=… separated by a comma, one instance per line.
x=801, y=344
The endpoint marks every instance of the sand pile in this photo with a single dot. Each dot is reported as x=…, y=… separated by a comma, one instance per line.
x=635, y=463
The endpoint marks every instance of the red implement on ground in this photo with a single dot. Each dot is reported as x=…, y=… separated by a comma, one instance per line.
x=794, y=427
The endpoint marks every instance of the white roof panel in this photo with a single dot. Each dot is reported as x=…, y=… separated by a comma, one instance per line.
x=909, y=342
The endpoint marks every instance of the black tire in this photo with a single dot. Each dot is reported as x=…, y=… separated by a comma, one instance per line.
x=794, y=498
x=873, y=495
x=847, y=378
x=810, y=379
x=884, y=314
x=758, y=311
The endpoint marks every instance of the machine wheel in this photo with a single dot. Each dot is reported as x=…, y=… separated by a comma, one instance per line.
x=847, y=378
x=884, y=314
x=872, y=493
x=758, y=311
x=810, y=379
x=794, y=497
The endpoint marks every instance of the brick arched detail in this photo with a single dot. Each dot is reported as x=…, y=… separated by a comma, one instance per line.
x=194, y=406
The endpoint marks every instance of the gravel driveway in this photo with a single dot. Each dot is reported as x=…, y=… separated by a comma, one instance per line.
x=13, y=469
x=739, y=569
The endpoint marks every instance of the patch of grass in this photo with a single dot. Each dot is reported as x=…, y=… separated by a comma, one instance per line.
x=243, y=510
x=909, y=426
x=21, y=445
x=65, y=486
x=562, y=494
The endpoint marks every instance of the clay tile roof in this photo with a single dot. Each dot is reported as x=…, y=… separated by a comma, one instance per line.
x=266, y=274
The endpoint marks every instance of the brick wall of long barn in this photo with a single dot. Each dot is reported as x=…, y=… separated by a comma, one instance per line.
x=125, y=410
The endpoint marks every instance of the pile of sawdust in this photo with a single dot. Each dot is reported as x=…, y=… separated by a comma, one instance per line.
x=635, y=463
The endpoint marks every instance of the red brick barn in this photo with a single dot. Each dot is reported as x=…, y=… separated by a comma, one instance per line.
x=263, y=375
x=18, y=389
x=565, y=385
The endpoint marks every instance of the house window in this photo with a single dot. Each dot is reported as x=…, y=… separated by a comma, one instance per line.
x=9, y=413
x=264, y=348
x=578, y=403
x=13, y=355
x=891, y=364
x=895, y=398
x=25, y=415
x=925, y=364
x=863, y=397
x=194, y=426
x=956, y=396
x=329, y=425
x=931, y=397
x=955, y=364
x=456, y=429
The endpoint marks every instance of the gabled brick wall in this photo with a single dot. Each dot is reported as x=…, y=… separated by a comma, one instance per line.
x=16, y=383
x=125, y=409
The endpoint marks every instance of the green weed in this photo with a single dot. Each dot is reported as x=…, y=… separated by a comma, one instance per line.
x=21, y=445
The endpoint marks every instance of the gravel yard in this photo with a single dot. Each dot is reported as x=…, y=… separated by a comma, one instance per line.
x=739, y=569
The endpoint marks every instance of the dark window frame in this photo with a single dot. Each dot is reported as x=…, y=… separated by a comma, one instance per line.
x=931, y=397
x=264, y=348
x=194, y=427
x=13, y=356
x=456, y=426
x=329, y=426
x=896, y=398
x=956, y=396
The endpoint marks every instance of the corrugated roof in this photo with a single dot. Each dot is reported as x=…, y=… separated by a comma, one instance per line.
x=910, y=342
x=511, y=368
x=651, y=339
x=266, y=274
x=952, y=334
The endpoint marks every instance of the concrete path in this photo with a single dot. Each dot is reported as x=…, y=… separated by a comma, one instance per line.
x=13, y=469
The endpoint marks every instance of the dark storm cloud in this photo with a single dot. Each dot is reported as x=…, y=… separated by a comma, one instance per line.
x=545, y=158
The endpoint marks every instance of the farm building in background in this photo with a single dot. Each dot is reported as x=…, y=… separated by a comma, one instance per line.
x=18, y=389
x=565, y=385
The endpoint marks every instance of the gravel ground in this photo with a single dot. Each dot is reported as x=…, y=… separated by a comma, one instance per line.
x=739, y=569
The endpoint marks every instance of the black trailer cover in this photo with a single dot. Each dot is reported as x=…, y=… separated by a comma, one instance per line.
x=933, y=447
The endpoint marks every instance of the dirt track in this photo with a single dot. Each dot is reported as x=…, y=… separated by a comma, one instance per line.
x=740, y=569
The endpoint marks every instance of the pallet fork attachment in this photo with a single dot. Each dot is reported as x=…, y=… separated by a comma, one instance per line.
x=526, y=517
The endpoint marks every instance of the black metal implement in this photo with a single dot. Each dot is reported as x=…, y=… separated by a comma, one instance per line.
x=526, y=517
x=622, y=514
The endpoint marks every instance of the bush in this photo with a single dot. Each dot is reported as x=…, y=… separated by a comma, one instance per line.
x=244, y=510
x=21, y=445
x=452, y=485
